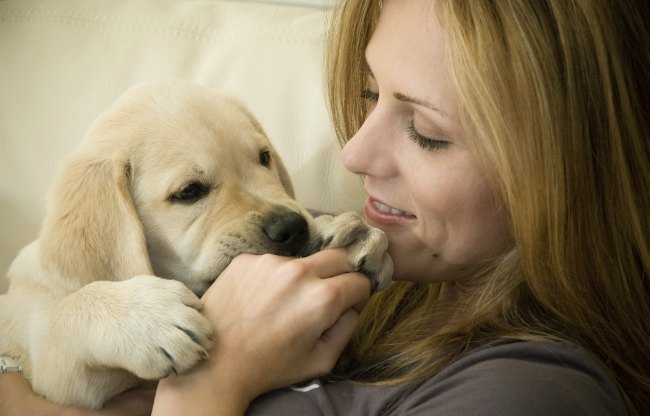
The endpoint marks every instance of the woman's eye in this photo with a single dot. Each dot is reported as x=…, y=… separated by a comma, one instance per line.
x=426, y=142
x=190, y=192
x=265, y=158
x=370, y=97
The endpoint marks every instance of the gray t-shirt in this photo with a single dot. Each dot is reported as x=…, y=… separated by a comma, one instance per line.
x=502, y=378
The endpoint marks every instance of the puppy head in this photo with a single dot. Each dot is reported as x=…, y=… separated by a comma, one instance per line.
x=173, y=180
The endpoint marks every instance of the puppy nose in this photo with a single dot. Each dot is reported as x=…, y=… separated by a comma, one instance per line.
x=288, y=231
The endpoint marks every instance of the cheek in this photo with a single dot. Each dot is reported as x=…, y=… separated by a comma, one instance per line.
x=458, y=227
x=475, y=229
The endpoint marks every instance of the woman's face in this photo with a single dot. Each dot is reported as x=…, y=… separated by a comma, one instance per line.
x=425, y=189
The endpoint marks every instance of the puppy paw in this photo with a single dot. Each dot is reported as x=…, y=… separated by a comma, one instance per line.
x=366, y=245
x=161, y=331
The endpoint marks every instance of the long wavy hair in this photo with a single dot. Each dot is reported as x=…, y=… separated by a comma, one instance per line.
x=556, y=96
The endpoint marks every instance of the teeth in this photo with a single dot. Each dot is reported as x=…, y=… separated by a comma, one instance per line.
x=389, y=210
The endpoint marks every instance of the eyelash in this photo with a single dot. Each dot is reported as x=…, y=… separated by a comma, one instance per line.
x=370, y=96
x=422, y=141
x=425, y=142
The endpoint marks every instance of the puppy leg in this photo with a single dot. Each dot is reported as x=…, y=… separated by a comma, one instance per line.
x=366, y=245
x=146, y=325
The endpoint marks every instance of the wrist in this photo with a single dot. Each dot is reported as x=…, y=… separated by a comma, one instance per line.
x=18, y=399
x=198, y=394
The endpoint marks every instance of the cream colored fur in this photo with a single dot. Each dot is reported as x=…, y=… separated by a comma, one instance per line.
x=106, y=297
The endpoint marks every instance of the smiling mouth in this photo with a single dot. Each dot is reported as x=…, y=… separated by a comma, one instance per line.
x=390, y=210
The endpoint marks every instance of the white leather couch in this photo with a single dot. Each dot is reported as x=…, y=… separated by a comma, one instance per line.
x=62, y=62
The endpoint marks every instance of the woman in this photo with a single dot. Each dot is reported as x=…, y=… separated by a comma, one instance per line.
x=504, y=149
x=503, y=146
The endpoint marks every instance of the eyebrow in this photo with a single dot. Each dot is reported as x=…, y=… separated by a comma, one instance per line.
x=405, y=98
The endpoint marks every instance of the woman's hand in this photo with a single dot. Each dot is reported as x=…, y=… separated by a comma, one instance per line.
x=277, y=321
x=17, y=398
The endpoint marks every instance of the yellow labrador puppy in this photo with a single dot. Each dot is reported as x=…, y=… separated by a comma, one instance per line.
x=170, y=184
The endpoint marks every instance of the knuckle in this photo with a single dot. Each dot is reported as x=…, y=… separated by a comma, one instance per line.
x=293, y=269
x=269, y=258
x=328, y=295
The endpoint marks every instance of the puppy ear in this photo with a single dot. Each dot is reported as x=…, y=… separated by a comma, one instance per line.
x=92, y=231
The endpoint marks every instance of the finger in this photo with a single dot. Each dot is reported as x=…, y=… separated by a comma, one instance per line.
x=340, y=333
x=334, y=339
x=328, y=263
x=345, y=291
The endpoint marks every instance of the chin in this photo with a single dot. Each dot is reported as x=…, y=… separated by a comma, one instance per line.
x=407, y=260
x=408, y=269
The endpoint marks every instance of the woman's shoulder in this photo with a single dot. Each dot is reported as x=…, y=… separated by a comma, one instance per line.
x=506, y=377
x=520, y=377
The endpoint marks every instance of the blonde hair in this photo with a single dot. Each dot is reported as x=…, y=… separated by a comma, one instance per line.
x=555, y=95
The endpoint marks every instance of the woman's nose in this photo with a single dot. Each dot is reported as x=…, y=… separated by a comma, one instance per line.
x=367, y=152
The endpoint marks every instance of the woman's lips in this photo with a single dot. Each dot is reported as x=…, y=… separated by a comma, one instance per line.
x=380, y=213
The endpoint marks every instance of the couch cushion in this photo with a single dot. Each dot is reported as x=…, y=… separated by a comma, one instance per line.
x=63, y=62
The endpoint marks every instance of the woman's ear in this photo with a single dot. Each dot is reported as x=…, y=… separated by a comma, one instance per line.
x=92, y=231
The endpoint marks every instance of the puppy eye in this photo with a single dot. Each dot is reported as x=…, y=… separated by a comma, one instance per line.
x=190, y=192
x=265, y=157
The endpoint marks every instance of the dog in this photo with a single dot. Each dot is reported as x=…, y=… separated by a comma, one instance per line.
x=170, y=184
